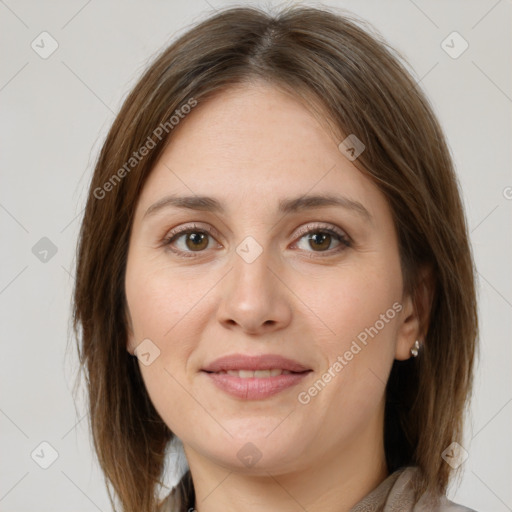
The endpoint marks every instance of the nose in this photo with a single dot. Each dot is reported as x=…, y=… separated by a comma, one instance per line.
x=254, y=296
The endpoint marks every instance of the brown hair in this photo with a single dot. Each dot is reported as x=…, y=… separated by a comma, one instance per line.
x=327, y=59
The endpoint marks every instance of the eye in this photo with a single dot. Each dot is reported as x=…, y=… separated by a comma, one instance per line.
x=187, y=240
x=321, y=237
x=194, y=240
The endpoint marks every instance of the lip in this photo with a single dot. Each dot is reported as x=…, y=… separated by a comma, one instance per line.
x=255, y=388
x=257, y=362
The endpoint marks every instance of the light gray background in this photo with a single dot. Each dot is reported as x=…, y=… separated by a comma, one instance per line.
x=55, y=113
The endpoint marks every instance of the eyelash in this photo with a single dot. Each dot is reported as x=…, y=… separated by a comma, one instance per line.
x=344, y=240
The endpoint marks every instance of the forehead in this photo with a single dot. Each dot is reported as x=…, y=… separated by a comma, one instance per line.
x=259, y=120
x=255, y=142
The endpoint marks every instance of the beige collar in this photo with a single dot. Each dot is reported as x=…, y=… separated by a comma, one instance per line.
x=394, y=494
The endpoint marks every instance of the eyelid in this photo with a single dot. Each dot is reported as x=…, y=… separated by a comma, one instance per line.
x=191, y=227
x=301, y=231
x=313, y=226
x=321, y=226
x=175, y=233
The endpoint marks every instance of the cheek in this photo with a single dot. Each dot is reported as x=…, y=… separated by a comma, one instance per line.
x=354, y=301
x=161, y=309
x=358, y=310
x=172, y=307
x=157, y=297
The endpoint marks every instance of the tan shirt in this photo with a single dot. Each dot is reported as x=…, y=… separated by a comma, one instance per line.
x=394, y=494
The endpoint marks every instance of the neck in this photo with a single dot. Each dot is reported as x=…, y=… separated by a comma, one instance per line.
x=334, y=482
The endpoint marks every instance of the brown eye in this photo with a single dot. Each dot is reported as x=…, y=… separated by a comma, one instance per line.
x=188, y=240
x=195, y=240
x=321, y=240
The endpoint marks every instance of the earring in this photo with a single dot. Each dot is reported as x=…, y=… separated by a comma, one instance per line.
x=415, y=348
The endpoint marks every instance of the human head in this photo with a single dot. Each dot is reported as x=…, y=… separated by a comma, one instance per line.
x=356, y=86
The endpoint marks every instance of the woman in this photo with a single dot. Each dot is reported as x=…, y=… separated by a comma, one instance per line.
x=274, y=269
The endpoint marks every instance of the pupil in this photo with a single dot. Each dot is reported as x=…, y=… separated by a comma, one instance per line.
x=196, y=239
x=323, y=237
x=318, y=238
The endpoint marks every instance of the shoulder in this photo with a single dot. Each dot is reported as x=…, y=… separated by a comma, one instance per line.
x=427, y=502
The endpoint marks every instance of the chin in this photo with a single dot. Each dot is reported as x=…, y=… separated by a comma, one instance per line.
x=253, y=452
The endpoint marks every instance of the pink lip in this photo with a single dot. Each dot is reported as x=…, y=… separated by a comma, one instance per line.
x=254, y=388
x=259, y=362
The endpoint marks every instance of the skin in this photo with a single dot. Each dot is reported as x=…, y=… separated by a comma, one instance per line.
x=249, y=147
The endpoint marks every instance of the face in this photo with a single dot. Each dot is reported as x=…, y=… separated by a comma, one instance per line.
x=314, y=282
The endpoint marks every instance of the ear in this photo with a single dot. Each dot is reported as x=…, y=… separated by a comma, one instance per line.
x=415, y=314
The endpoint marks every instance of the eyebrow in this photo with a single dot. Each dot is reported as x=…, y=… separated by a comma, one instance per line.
x=285, y=206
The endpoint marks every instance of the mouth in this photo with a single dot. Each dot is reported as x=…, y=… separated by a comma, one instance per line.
x=255, y=363
x=255, y=377
x=258, y=374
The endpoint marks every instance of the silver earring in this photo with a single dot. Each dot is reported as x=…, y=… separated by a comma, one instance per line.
x=415, y=348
